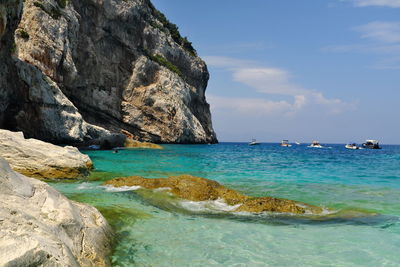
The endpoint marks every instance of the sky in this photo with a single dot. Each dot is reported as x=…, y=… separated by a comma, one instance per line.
x=302, y=70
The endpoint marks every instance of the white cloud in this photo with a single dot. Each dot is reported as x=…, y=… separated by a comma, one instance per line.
x=382, y=39
x=382, y=3
x=269, y=81
x=254, y=106
x=381, y=31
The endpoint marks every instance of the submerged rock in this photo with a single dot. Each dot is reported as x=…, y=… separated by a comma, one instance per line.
x=201, y=189
x=41, y=227
x=39, y=159
x=130, y=143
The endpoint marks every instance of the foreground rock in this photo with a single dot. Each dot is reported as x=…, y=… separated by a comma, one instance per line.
x=201, y=189
x=40, y=227
x=114, y=64
x=39, y=159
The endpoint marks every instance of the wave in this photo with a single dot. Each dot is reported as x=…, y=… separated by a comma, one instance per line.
x=85, y=186
x=218, y=205
x=110, y=188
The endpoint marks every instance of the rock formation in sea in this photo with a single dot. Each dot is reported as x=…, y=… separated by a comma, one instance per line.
x=83, y=69
x=35, y=158
x=201, y=189
x=41, y=227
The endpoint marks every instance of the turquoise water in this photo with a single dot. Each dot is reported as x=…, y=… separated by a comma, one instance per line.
x=361, y=187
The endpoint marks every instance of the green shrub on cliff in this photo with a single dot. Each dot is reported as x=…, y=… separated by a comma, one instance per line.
x=23, y=34
x=62, y=3
x=173, y=30
x=164, y=62
x=13, y=48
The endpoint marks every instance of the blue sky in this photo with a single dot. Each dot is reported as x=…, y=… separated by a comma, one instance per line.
x=300, y=69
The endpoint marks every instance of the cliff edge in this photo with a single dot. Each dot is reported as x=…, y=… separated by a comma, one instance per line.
x=120, y=65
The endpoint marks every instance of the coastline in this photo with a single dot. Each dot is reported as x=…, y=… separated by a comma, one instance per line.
x=138, y=216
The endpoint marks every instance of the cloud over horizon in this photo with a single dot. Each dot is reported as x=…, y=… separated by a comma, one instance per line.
x=271, y=82
x=381, y=3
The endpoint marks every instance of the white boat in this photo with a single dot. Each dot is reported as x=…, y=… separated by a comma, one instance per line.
x=371, y=144
x=285, y=143
x=297, y=143
x=352, y=146
x=315, y=144
x=253, y=142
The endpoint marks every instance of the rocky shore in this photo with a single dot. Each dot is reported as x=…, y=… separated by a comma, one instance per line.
x=35, y=158
x=41, y=227
x=201, y=189
x=93, y=73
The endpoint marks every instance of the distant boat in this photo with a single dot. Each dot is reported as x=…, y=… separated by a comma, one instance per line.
x=352, y=146
x=315, y=144
x=371, y=144
x=253, y=142
x=285, y=143
x=297, y=143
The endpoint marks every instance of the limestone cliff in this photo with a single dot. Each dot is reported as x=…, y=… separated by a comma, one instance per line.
x=121, y=64
x=29, y=100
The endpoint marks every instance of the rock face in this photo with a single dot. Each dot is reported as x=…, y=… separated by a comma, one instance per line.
x=38, y=159
x=121, y=64
x=29, y=100
x=9, y=18
x=201, y=189
x=40, y=227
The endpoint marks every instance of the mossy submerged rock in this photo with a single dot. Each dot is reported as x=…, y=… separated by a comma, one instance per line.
x=130, y=143
x=200, y=189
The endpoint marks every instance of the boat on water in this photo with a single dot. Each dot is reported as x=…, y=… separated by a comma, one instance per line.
x=371, y=144
x=285, y=143
x=254, y=142
x=352, y=146
x=297, y=143
x=315, y=144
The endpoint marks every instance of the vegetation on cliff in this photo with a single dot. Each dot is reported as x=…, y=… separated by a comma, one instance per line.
x=173, y=30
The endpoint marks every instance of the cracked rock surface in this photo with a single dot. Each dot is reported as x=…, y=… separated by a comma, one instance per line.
x=114, y=64
x=41, y=227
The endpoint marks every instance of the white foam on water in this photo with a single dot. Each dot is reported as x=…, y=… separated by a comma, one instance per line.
x=160, y=189
x=110, y=188
x=85, y=185
x=218, y=205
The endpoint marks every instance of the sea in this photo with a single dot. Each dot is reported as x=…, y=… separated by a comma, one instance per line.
x=359, y=190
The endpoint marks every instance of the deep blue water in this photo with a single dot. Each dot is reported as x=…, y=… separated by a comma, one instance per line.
x=361, y=187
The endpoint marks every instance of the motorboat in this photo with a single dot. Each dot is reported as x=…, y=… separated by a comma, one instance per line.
x=253, y=142
x=297, y=143
x=315, y=144
x=352, y=146
x=371, y=144
x=285, y=143
x=94, y=147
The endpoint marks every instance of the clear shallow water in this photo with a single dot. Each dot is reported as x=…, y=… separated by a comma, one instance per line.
x=156, y=230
